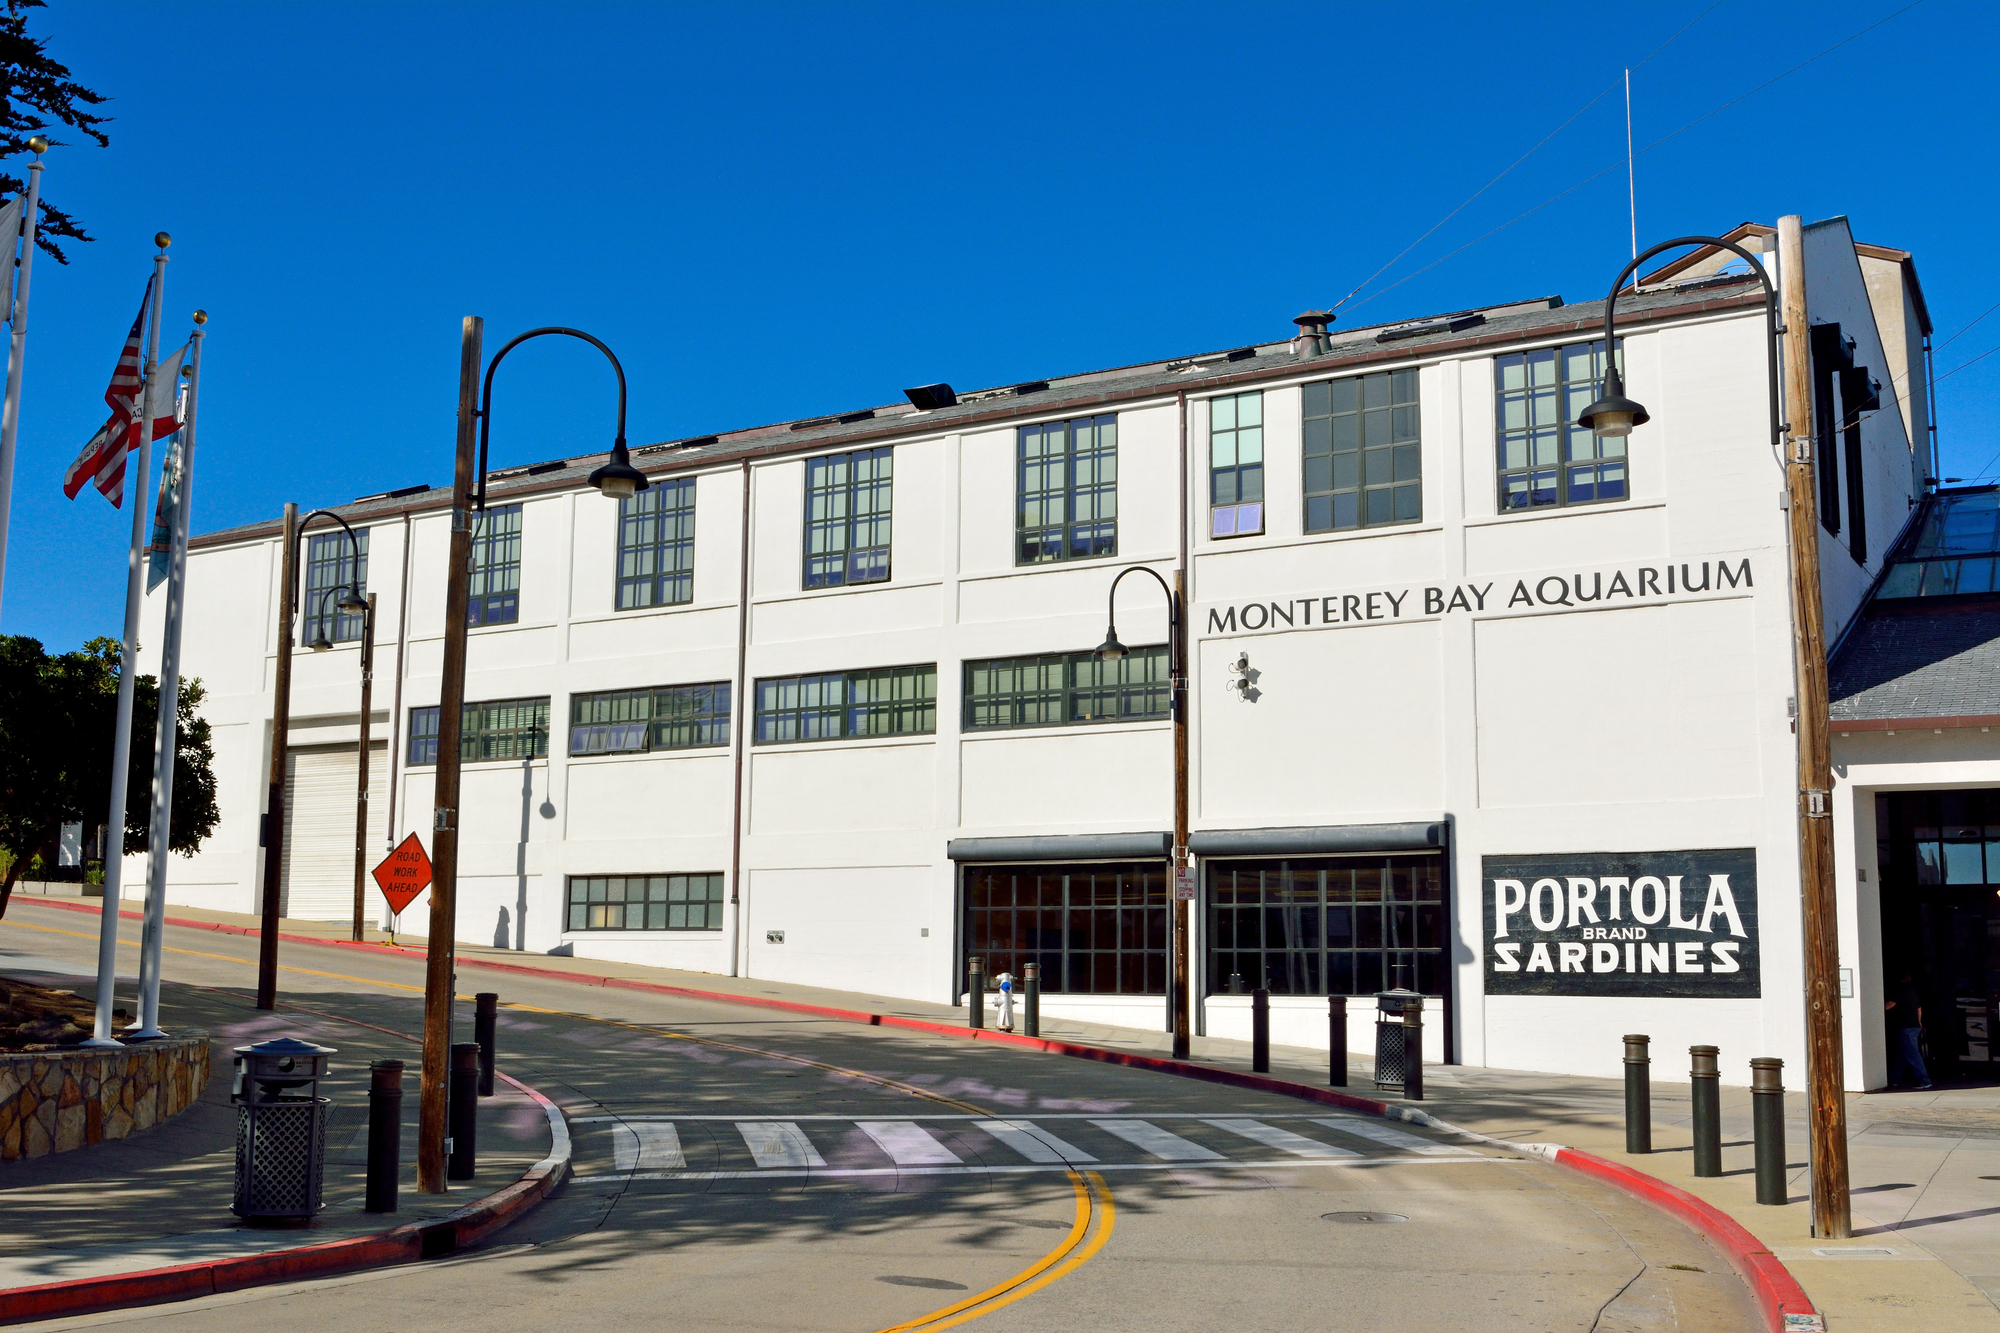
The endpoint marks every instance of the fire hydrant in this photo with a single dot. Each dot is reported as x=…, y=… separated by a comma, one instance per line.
x=1006, y=1020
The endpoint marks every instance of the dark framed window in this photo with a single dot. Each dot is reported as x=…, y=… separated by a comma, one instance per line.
x=656, y=545
x=847, y=518
x=1098, y=929
x=1362, y=452
x=1068, y=482
x=502, y=729
x=496, y=567
x=645, y=902
x=667, y=717
x=1546, y=459
x=1059, y=689
x=1236, y=465
x=890, y=701
x=1338, y=925
x=329, y=567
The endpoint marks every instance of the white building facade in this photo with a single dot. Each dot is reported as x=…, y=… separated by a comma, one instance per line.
x=820, y=705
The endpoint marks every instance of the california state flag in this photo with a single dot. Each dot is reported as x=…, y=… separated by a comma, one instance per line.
x=103, y=459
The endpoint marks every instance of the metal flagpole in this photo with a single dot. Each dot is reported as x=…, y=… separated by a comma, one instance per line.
x=121, y=744
x=168, y=732
x=147, y=957
x=17, y=351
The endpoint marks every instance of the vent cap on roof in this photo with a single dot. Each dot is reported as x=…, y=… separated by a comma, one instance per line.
x=927, y=397
x=1312, y=339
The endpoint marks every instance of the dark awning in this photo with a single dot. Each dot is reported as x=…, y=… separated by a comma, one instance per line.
x=1064, y=847
x=1414, y=837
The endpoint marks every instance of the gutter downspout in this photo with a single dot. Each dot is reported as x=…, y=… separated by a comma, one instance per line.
x=739, y=707
x=1197, y=1010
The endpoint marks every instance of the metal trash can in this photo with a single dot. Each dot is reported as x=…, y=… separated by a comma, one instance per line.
x=1391, y=1053
x=280, y=1131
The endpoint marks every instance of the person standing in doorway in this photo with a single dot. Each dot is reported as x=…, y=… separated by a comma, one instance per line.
x=1906, y=1028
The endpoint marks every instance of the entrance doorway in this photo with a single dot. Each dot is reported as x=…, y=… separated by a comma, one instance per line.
x=1939, y=859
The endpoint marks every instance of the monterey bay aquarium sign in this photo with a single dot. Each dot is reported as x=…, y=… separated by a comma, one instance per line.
x=1623, y=923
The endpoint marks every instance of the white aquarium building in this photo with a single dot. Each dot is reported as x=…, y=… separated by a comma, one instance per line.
x=1482, y=705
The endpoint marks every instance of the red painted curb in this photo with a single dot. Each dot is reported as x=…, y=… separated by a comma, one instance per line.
x=1776, y=1291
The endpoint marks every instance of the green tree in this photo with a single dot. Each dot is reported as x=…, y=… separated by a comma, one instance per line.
x=37, y=94
x=58, y=717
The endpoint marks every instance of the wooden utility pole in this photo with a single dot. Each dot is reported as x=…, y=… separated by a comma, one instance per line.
x=1825, y=1077
x=445, y=822
x=361, y=789
x=274, y=818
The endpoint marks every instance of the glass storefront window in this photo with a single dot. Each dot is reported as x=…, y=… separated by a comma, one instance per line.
x=1094, y=929
x=1340, y=925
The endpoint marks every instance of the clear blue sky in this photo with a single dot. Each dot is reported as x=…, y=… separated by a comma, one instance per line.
x=773, y=211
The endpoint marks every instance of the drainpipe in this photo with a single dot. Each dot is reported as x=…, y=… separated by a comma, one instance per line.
x=740, y=708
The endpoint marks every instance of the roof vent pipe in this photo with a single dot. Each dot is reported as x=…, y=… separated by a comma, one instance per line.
x=1312, y=339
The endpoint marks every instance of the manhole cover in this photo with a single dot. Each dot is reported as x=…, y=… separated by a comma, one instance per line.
x=933, y=1283
x=1362, y=1217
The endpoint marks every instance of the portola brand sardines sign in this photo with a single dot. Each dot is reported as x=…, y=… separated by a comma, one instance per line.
x=1622, y=923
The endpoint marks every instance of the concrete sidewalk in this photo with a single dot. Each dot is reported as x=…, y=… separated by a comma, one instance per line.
x=1925, y=1167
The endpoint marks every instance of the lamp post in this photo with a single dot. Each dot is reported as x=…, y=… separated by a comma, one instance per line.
x=353, y=604
x=281, y=719
x=1113, y=651
x=1615, y=414
x=618, y=480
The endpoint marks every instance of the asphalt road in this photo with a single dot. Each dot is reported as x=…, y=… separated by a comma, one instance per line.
x=748, y=1171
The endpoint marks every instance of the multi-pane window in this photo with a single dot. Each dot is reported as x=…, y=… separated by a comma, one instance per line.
x=847, y=518
x=502, y=729
x=645, y=902
x=656, y=545
x=1068, y=490
x=1236, y=465
x=670, y=717
x=1363, y=452
x=1093, y=929
x=1056, y=689
x=1956, y=550
x=1546, y=459
x=1348, y=925
x=329, y=571
x=891, y=701
x=496, y=567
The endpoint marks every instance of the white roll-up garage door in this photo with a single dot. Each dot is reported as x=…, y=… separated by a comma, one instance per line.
x=319, y=828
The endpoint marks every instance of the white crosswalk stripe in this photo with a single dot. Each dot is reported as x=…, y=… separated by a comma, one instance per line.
x=649, y=1145
x=907, y=1143
x=1376, y=1132
x=1282, y=1139
x=1033, y=1142
x=778, y=1143
x=1148, y=1137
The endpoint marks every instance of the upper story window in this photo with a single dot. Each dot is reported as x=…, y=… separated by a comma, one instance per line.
x=847, y=518
x=670, y=717
x=1363, y=452
x=1236, y=465
x=891, y=701
x=1068, y=482
x=329, y=568
x=1060, y=689
x=503, y=729
x=1546, y=460
x=496, y=567
x=656, y=545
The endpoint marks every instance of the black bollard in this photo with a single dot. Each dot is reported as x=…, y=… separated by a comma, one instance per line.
x=975, y=992
x=1767, y=1114
x=1413, y=1050
x=1031, y=999
x=485, y=1017
x=1260, y=1031
x=1336, y=1041
x=1707, y=1098
x=385, y=1134
x=1638, y=1094
x=462, y=1119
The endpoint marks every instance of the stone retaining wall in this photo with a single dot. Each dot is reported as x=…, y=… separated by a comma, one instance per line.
x=60, y=1100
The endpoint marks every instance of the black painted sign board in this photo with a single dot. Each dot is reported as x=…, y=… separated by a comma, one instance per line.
x=1669, y=924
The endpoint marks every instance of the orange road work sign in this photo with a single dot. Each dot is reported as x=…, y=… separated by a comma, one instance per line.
x=403, y=874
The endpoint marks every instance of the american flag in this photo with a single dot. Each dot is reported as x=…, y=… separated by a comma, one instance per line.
x=103, y=459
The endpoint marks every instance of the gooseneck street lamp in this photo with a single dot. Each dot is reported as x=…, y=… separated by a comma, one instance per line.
x=1615, y=414
x=617, y=479
x=281, y=719
x=352, y=603
x=1112, y=651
